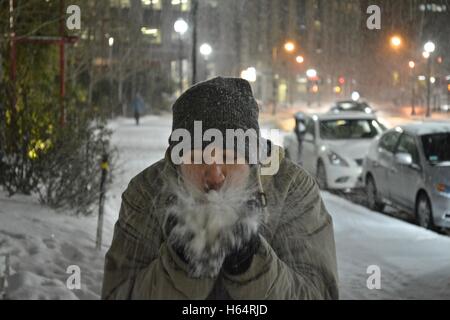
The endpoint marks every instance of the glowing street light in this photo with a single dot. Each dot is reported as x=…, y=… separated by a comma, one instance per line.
x=289, y=46
x=111, y=41
x=249, y=74
x=300, y=59
x=429, y=47
x=411, y=64
x=311, y=73
x=355, y=96
x=180, y=26
x=396, y=41
x=205, y=50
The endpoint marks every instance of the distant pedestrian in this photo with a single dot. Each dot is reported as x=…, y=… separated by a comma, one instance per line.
x=138, y=105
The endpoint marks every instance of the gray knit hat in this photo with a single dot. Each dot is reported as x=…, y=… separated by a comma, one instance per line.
x=220, y=103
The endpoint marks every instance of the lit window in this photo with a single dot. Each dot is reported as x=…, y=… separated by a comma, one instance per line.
x=121, y=3
x=184, y=5
x=154, y=4
x=152, y=34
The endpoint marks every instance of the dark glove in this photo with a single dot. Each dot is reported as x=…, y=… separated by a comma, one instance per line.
x=239, y=260
x=241, y=255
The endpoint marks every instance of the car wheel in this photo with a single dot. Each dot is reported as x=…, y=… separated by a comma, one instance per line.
x=372, y=195
x=424, y=214
x=321, y=176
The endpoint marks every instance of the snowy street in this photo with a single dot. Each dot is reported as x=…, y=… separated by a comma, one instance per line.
x=414, y=262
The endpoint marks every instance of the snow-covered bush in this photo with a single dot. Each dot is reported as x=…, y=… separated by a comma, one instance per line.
x=60, y=162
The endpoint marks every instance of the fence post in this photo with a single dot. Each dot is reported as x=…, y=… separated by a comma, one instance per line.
x=104, y=167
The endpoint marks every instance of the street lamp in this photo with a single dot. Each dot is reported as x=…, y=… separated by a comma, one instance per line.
x=355, y=96
x=429, y=48
x=289, y=46
x=180, y=26
x=411, y=65
x=111, y=43
x=396, y=42
x=249, y=74
x=300, y=59
x=311, y=73
x=205, y=51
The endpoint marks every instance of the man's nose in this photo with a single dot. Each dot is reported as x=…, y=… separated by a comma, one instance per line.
x=214, y=177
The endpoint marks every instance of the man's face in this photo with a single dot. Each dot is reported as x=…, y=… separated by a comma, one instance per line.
x=214, y=176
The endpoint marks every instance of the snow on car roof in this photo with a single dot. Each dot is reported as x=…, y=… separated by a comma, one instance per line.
x=346, y=115
x=426, y=127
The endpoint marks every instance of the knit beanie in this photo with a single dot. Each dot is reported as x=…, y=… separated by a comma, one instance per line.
x=219, y=103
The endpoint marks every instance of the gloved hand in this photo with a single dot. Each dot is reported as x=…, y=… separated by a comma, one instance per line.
x=203, y=239
x=240, y=256
x=197, y=237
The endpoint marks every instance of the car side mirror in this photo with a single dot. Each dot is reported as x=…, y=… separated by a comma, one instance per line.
x=403, y=158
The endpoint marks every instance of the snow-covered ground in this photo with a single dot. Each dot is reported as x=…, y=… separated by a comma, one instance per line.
x=414, y=263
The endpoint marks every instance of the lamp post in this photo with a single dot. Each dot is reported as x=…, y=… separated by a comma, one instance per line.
x=111, y=44
x=411, y=66
x=180, y=26
x=429, y=48
x=205, y=50
x=311, y=75
x=289, y=47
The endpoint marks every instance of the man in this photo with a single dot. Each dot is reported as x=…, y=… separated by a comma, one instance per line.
x=220, y=230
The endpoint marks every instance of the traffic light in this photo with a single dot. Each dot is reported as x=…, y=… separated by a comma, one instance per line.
x=341, y=80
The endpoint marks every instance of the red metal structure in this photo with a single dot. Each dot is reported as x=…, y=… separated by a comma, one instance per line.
x=60, y=40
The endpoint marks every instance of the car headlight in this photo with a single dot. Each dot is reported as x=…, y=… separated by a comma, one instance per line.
x=336, y=160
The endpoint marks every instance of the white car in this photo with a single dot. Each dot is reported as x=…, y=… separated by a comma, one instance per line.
x=333, y=146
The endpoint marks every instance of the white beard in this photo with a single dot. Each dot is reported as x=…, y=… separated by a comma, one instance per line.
x=210, y=225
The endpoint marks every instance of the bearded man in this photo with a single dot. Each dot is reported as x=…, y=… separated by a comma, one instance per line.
x=218, y=229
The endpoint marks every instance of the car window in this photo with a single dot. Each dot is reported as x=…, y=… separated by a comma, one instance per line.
x=436, y=147
x=407, y=144
x=348, y=129
x=389, y=140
